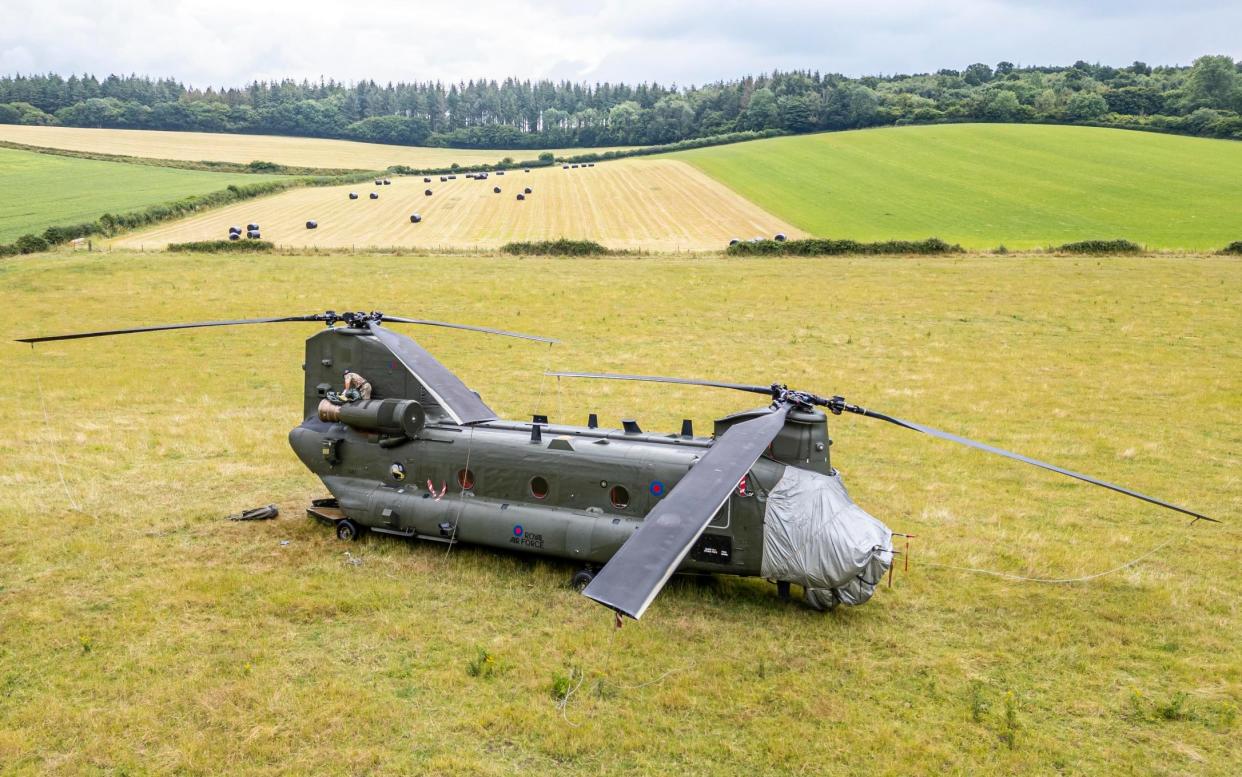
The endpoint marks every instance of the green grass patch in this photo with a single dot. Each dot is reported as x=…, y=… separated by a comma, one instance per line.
x=223, y=246
x=1026, y=186
x=42, y=190
x=560, y=247
x=824, y=247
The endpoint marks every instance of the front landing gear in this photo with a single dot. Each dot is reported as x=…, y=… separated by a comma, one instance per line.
x=782, y=590
x=346, y=530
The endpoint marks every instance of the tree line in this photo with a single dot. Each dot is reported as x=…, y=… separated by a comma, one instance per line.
x=1202, y=99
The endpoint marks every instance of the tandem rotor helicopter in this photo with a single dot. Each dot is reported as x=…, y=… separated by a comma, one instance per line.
x=759, y=497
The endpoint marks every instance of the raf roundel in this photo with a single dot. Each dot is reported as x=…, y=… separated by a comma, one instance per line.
x=517, y=530
x=656, y=488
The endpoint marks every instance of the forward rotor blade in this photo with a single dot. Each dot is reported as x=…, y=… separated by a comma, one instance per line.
x=636, y=573
x=660, y=379
x=1019, y=457
x=483, y=329
x=166, y=327
x=462, y=404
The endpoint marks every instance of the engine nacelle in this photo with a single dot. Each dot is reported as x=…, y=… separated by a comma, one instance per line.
x=387, y=416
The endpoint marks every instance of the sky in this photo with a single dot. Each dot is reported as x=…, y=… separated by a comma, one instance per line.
x=231, y=42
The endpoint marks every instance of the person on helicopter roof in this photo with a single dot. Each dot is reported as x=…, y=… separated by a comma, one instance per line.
x=356, y=388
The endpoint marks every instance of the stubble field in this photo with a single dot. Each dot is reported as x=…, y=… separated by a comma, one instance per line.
x=143, y=633
x=648, y=204
x=243, y=149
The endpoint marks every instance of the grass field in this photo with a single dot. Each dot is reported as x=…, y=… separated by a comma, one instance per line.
x=981, y=185
x=143, y=633
x=220, y=147
x=633, y=204
x=41, y=190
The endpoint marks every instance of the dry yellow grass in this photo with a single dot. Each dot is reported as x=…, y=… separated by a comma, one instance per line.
x=144, y=634
x=649, y=204
x=220, y=147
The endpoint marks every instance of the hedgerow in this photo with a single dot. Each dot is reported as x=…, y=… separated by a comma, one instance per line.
x=222, y=246
x=826, y=247
x=1100, y=247
x=556, y=248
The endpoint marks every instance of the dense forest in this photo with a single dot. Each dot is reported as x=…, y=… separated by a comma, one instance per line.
x=1203, y=99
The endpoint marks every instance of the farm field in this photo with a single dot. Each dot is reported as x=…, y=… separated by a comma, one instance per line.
x=632, y=204
x=981, y=185
x=142, y=632
x=224, y=147
x=42, y=190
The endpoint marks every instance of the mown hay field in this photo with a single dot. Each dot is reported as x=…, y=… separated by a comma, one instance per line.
x=661, y=205
x=223, y=147
x=983, y=185
x=142, y=632
x=41, y=190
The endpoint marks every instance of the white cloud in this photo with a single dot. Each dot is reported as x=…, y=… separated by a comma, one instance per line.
x=684, y=41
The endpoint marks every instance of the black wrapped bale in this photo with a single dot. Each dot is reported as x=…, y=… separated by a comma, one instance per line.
x=780, y=237
x=496, y=189
x=252, y=226
x=253, y=234
x=379, y=181
x=734, y=241
x=452, y=178
x=234, y=230
x=500, y=172
x=312, y=225
x=427, y=193
x=415, y=218
x=521, y=196
x=527, y=190
x=353, y=195
x=443, y=178
x=234, y=236
x=526, y=170
x=375, y=195
x=426, y=180
x=574, y=167
x=564, y=167
x=387, y=182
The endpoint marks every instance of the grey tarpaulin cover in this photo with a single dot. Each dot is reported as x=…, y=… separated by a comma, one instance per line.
x=815, y=536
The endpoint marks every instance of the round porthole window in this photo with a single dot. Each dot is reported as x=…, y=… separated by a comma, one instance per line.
x=465, y=479
x=539, y=487
x=620, y=497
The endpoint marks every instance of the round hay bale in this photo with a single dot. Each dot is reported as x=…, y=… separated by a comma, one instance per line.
x=375, y=195
x=592, y=164
x=426, y=192
x=780, y=237
x=253, y=234
x=452, y=178
x=252, y=226
x=426, y=180
x=500, y=172
x=234, y=236
x=521, y=196
x=387, y=182
x=734, y=241
x=496, y=189
x=526, y=170
x=312, y=225
x=415, y=218
x=564, y=167
x=234, y=230
x=379, y=181
x=527, y=190
x=574, y=167
x=353, y=195
x=443, y=178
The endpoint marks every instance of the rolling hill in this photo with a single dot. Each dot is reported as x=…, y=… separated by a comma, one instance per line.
x=41, y=190
x=1023, y=186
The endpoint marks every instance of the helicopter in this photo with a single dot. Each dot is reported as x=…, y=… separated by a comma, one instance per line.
x=759, y=497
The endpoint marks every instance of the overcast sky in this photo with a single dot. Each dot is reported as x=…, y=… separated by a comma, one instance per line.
x=231, y=42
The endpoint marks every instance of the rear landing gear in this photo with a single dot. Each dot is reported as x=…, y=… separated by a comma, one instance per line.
x=346, y=530
x=581, y=579
x=782, y=590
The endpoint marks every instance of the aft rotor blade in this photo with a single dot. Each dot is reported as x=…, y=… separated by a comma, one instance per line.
x=462, y=404
x=661, y=379
x=636, y=573
x=166, y=327
x=1019, y=457
x=483, y=329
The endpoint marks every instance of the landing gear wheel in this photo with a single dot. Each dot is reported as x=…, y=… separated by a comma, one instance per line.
x=582, y=578
x=347, y=530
